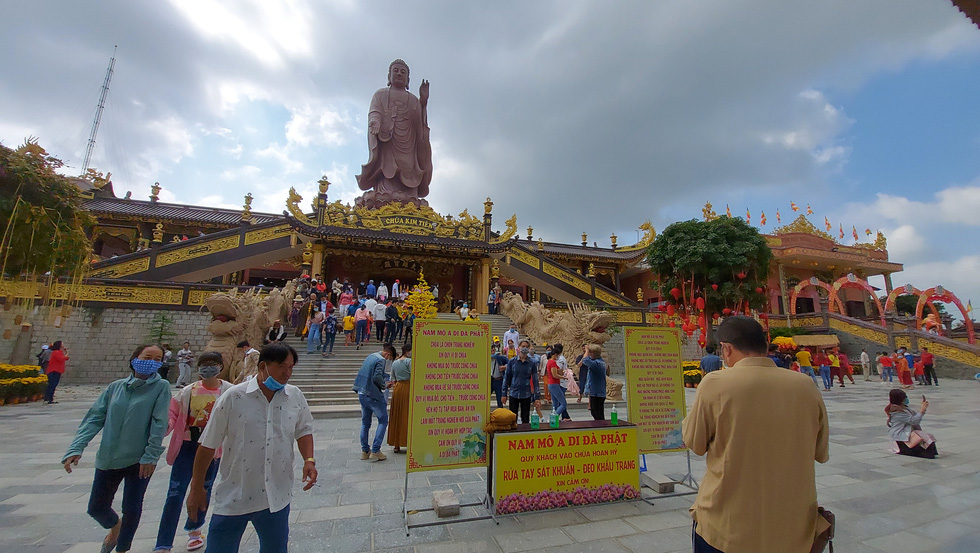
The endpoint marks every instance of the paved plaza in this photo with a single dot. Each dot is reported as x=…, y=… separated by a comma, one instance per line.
x=883, y=502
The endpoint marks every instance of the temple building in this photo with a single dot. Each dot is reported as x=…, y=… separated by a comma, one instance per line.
x=462, y=255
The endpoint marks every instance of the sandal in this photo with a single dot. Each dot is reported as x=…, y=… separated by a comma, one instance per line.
x=195, y=542
x=108, y=544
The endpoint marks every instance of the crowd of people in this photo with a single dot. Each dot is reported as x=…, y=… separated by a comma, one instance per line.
x=320, y=312
x=212, y=424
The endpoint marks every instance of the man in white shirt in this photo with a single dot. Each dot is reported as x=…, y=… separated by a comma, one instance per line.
x=866, y=365
x=256, y=483
x=512, y=334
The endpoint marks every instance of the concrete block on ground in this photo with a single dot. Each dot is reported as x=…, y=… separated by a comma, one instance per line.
x=445, y=503
x=657, y=482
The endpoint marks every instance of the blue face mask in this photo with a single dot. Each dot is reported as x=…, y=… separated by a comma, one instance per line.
x=906, y=401
x=273, y=384
x=146, y=366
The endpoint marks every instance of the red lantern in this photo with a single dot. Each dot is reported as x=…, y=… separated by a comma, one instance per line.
x=701, y=342
x=676, y=292
x=741, y=274
x=662, y=307
x=715, y=316
x=670, y=310
x=672, y=324
x=758, y=290
x=700, y=304
x=714, y=287
x=726, y=311
x=701, y=322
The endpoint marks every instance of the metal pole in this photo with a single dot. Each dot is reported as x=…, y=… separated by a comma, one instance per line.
x=98, y=112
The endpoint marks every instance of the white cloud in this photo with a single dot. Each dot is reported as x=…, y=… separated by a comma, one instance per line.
x=957, y=275
x=318, y=125
x=271, y=32
x=239, y=173
x=281, y=154
x=174, y=140
x=905, y=243
x=217, y=200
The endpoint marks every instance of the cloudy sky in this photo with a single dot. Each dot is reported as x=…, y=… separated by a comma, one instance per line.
x=576, y=116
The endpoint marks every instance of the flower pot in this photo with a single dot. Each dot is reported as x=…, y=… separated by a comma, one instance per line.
x=695, y=385
x=3, y=400
x=23, y=399
x=13, y=401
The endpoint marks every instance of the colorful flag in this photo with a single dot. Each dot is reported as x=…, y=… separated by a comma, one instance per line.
x=748, y=216
x=808, y=210
x=826, y=223
x=793, y=206
x=778, y=220
x=867, y=232
x=854, y=231
x=842, y=230
x=969, y=306
x=762, y=219
x=728, y=211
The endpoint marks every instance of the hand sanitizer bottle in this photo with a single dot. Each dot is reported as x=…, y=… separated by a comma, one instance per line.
x=614, y=416
x=535, y=419
x=554, y=418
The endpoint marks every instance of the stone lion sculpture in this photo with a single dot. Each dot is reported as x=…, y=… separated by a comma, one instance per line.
x=575, y=328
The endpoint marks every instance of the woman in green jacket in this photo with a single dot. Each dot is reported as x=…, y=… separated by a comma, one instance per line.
x=132, y=415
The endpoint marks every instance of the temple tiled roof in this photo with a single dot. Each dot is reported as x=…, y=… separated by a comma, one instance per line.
x=571, y=250
x=181, y=213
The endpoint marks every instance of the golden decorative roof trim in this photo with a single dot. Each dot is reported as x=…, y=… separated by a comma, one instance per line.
x=804, y=226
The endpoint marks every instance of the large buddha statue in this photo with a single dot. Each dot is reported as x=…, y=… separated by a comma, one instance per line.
x=400, y=166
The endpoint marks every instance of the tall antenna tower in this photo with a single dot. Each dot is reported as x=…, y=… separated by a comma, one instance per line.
x=98, y=112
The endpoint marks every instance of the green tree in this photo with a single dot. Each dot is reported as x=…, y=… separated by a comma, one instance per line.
x=906, y=303
x=692, y=256
x=161, y=329
x=44, y=221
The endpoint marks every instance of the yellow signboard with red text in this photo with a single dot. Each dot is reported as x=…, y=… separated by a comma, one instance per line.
x=549, y=469
x=449, y=395
x=655, y=387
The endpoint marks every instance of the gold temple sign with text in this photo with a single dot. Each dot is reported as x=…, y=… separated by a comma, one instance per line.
x=264, y=235
x=609, y=298
x=567, y=277
x=199, y=250
x=123, y=269
x=525, y=258
x=395, y=221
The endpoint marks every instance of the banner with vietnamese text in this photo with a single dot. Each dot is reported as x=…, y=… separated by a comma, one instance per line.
x=655, y=387
x=450, y=395
x=550, y=469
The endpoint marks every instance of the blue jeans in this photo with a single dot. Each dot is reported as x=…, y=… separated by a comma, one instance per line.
x=313, y=338
x=328, y=340
x=558, y=398
x=180, y=478
x=104, y=490
x=825, y=376
x=809, y=372
x=225, y=532
x=889, y=372
x=53, y=380
x=373, y=408
x=497, y=387
x=360, y=331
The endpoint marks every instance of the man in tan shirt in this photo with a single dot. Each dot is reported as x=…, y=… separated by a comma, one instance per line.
x=761, y=428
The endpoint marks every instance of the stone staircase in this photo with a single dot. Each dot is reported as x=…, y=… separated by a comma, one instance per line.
x=326, y=381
